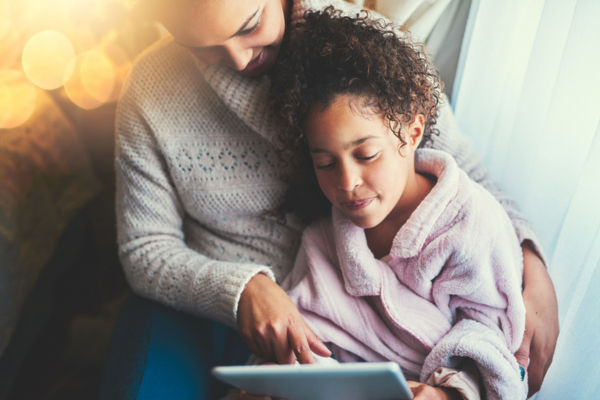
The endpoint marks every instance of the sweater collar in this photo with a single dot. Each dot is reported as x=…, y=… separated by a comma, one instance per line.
x=248, y=97
x=360, y=269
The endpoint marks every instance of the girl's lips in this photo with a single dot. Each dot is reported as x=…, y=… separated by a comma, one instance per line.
x=357, y=204
x=257, y=62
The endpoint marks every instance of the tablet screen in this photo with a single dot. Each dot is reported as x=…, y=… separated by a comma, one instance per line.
x=351, y=381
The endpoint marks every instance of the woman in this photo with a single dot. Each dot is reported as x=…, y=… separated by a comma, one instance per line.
x=196, y=170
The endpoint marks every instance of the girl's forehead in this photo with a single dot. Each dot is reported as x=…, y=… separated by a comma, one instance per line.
x=205, y=23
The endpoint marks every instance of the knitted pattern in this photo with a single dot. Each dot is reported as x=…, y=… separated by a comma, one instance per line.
x=196, y=172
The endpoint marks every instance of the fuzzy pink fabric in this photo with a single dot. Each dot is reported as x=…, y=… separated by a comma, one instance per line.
x=451, y=289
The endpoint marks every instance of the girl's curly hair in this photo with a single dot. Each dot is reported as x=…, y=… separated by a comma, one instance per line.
x=330, y=55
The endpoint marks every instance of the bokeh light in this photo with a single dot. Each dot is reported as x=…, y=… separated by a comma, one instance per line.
x=121, y=64
x=92, y=81
x=5, y=104
x=48, y=59
x=5, y=25
x=17, y=99
x=10, y=48
x=5, y=17
x=28, y=14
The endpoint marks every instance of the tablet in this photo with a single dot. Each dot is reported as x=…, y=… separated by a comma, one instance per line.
x=351, y=381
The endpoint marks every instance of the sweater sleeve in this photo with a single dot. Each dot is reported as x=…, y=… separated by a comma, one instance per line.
x=157, y=262
x=452, y=140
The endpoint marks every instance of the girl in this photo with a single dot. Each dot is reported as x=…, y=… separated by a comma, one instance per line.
x=415, y=262
x=196, y=169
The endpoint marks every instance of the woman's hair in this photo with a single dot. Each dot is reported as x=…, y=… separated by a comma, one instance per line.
x=330, y=55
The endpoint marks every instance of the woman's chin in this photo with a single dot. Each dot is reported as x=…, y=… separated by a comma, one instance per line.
x=263, y=68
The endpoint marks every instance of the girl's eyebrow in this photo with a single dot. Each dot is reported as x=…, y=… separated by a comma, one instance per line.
x=348, y=145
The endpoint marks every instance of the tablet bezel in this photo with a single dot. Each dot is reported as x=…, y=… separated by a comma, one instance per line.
x=349, y=381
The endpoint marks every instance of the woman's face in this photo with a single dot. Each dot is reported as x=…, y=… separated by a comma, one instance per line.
x=243, y=35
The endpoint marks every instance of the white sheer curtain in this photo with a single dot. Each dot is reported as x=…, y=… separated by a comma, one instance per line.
x=527, y=92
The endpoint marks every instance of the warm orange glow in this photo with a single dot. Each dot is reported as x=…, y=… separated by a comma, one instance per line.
x=17, y=99
x=5, y=17
x=121, y=64
x=5, y=104
x=47, y=59
x=5, y=25
x=27, y=14
x=93, y=80
x=10, y=48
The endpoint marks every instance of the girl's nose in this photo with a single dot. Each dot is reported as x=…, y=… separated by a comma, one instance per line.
x=349, y=179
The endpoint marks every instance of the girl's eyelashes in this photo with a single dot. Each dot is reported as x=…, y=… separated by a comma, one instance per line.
x=324, y=167
x=367, y=158
x=332, y=164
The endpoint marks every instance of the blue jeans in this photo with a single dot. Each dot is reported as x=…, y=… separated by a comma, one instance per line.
x=159, y=353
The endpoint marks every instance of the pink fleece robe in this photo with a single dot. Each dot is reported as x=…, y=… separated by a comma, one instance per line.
x=451, y=288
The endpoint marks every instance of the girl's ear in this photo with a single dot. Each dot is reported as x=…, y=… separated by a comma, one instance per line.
x=414, y=133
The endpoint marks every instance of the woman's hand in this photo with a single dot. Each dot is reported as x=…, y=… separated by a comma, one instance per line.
x=541, y=320
x=272, y=327
x=422, y=391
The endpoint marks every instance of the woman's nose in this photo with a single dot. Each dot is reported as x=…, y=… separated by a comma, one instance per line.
x=230, y=55
x=235, y=57
x=349, y=178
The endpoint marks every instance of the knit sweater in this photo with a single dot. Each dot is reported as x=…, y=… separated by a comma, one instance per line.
x=196, y=171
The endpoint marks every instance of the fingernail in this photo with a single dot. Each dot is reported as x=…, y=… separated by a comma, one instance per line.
x=522, y=373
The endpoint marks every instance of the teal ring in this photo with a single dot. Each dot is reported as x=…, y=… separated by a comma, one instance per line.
x=522, y=373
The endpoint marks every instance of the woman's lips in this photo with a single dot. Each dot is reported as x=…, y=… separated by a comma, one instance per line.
x=257, y=62
x=357, y=204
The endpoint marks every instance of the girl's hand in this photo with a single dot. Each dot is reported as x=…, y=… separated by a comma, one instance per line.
x=541, y=320
x=272, y=327
x=421, y=391
x=247, y=396
x=243, y=395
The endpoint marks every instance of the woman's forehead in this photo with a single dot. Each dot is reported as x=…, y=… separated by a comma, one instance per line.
x=205, y=23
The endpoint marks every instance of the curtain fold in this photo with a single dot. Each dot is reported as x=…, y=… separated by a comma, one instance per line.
x=527, y=92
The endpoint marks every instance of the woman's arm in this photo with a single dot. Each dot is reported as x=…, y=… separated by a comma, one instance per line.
x=157, y=262
x=541, y=324
x=538, y=292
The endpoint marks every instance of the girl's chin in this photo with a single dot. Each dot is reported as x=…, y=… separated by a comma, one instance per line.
x=364, y=223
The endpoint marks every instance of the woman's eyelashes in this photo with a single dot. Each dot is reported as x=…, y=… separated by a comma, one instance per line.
x=253, y=28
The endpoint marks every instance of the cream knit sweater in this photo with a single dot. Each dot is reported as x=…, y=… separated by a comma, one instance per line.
x=196, y=170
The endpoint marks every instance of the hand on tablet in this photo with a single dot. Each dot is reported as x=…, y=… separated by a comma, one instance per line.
x=272, y=327
x=247, y=396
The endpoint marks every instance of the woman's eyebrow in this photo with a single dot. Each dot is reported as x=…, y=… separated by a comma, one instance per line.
x=234, y=35
x=246, y=23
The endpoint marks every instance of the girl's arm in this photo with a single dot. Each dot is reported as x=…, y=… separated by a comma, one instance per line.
x=538, y=291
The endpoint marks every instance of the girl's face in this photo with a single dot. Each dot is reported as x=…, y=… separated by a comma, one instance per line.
x=357, y=160
x=243, y=35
